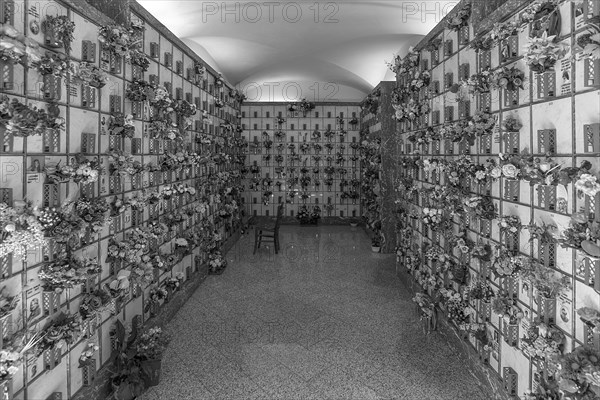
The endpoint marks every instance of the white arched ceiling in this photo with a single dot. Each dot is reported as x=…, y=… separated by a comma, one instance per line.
x=276, y=51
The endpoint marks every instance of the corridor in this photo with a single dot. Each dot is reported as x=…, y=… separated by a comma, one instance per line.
x=324, y=319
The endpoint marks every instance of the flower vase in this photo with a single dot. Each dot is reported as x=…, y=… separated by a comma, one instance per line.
x=151, y=372
x=51, y=39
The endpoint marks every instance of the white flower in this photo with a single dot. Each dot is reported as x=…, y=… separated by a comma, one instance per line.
x=588, y=185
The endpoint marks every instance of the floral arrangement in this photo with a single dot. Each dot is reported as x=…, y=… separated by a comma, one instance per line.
x=94, y=302
x=588, y=185
x=480, y=290
x=510, y=223
x=482, y=123
x=511, y=124
x=371, y=103
x=588, y=45
x=93, y=212
x=20, y=230
x=125, y=41
x=139, y=90
x=87, y=356
x=155, y=295
x=543, y=342
x=509, y=78
x=81, y=171
x=64, y=330
x=481, y=206
x=151, y=344
x=90, y=75
x=582, y=234
x=54, y=64
x=543, y=52
x=434, y=218
x=425, y=304
x=121, y=124
x=402, y=65
x=506, y=263
x=216, y=262
x=22, y=120
x=123, y=163
x=306, y=106
x=460, y=18
x=506, y=307
x=7, y=302
x=66, y=272
x=482, y=43
x=480, y=82
x=457, y=307
x=547, y=283
x=579, y=373
x=307, y=217
x=62, y=28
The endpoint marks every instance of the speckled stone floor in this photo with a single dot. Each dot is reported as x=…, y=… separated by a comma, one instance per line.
x=324, y=319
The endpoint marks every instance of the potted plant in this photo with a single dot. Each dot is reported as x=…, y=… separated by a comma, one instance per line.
x=376, y=241
x=137, y=362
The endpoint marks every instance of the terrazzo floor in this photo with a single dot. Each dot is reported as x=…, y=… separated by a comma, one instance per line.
x=324, y=319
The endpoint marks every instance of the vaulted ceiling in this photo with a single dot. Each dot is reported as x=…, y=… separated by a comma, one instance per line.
x=284, y=51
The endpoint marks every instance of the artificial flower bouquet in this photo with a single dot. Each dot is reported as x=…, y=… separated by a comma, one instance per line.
x=582, y=234
x=80, y=170
x=22, y=120
x=20, y=230
x=460, y=18
x=121, y=40
x=87, y=355
x=543, y=342
x=60, y=30
x=139, y=90
x=64, y=330
x=543, y=52
x=216, y=262
x=122, y=125
x=480, y=290
x=506, y=307
x=425, y=304
x=579, y=373
x=94, y=302
x=90, y=75
x=66, y=272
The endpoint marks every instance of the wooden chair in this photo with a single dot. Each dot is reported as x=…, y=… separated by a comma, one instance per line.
x=268, y=233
